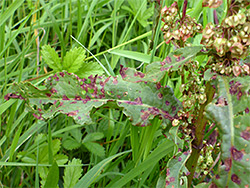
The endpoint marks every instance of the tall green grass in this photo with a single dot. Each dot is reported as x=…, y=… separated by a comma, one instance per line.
x=102, y=26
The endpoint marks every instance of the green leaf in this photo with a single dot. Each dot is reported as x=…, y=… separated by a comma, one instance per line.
x=68, y=94
x=93, y=137
x=90, y=68
x=94, y=172
x=230, y=112
x=73, y=60
x=134, y=55
x=155, y=71
x=95, y=148
x=72, y=173
x=71, y=143
x=53, y=177
x=51, y=58
x=165, y=148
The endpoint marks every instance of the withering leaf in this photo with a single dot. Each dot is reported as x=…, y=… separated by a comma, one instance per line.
x=232, y=118
x=155, y=71
x=68, y=94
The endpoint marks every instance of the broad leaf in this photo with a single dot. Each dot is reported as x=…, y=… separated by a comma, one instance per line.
x=231, y=114
x=68, y=94
x=72, y=173
x=155, y=71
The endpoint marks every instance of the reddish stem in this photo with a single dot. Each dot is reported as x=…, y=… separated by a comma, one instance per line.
x=184, y=10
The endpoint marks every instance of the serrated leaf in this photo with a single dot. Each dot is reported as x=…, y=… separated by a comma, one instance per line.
x=95, y=148
x=51, y=58
x=68, y=94
x=230, y=112
x=90, y=68
x=70, y=143
x=53, y=177
x=73, y=60
x=93, y=137
x=155, y=71
x=72, y=173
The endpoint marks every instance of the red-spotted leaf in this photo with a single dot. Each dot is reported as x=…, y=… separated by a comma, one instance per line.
x=68, y=94
x=230, y=112
x=176, y=171
x=155, y=71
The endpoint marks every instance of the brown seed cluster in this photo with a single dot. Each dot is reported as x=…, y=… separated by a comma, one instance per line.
x=230, y=42
x=211, y=3
x=176, y=28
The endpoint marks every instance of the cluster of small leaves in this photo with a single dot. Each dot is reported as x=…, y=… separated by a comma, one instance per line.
x=205, y=160
x=193, y=95
x=178, y=29
x=72, y=62
x=230, y=43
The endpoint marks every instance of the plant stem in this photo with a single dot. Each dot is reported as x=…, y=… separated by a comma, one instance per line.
x=200, y=126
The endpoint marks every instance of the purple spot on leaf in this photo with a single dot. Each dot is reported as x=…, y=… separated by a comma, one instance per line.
x=37, y=117
x=167, y=103
x=53, y=90
x=115, y=81
x=64, y=97
x=145, y=115
x=237, y=155
x=61, y=103
x=56, y=77
x=179, y=159
x=228, y=164
x=140, y=74
x=78, y=98
x=138, y=100
x=245, y=134
x=13, y=96
x=173, y=108
x=158, y=85
x=122, y=72
x=74, y=102
x=171, y=179
x=168, y=59
x=235, y=179
x=247, y=110
x=160, y=95
x=62, y=74
x=73, y=113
